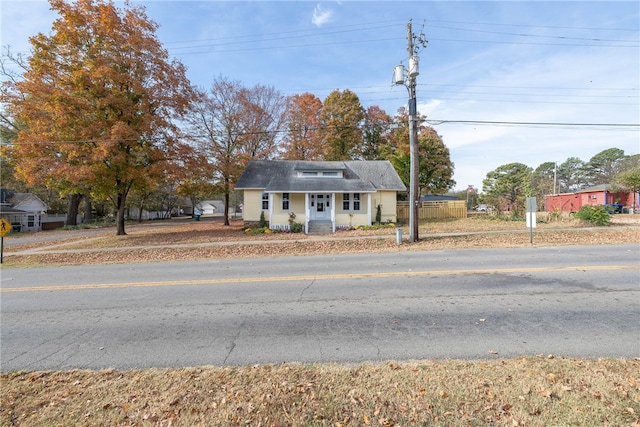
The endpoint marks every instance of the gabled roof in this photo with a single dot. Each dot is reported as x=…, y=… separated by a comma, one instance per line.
x=27, y=202
x=358, y=176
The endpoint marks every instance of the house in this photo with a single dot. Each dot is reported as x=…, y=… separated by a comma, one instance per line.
x=23, y=210
x=597, y=195
x=317, y=194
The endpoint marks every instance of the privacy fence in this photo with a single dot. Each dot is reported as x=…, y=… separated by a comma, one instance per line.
x=434, y=210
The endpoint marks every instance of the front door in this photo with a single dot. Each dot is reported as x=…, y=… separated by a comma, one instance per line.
x=320, y=206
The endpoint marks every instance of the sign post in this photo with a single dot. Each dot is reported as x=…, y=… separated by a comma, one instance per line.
x=5, y=227
x=532, y=207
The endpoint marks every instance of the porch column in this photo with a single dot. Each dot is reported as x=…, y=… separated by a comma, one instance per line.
x=307, y=212
x=270, y=208
x=333, y=212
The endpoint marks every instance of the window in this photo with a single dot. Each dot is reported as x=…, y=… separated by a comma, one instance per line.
x=31, y=220
x=351, y=202
x=265, y=201
x=285, y=201
x=309, y=173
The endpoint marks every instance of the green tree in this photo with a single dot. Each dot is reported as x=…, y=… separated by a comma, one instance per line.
x=628, y=180
x=507, y=187
x=341, y=119
x=543, y=181
x=571, y=175
x=604, y=166
x=435, y=168
x=100, y=100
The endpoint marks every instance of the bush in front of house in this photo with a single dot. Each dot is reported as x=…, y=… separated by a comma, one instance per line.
x=597, y=215
x=296, y=227
x=263, y=221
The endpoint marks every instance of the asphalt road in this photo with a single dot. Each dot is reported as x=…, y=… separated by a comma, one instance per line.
x=581, y=301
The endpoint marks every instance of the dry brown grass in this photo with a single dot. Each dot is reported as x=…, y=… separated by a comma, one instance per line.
x=189, y=240
x=535, y=391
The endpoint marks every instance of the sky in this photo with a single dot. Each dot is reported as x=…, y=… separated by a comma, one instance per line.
x=500, y=81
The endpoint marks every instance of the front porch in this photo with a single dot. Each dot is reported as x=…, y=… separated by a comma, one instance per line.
x=320, y=213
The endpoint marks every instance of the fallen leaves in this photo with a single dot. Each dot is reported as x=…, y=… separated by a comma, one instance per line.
x=521, y=391
x=190, y=240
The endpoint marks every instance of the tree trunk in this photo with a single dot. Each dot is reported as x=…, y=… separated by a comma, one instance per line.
x=73, y=207
x=88, y=215
x=122, y=198
x=226, y=202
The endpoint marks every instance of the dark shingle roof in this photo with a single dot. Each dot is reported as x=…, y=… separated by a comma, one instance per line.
x=282, y=176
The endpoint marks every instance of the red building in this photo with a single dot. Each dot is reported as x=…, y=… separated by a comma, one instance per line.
x=598, y=195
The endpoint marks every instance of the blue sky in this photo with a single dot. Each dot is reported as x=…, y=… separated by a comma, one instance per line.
x=486, y=61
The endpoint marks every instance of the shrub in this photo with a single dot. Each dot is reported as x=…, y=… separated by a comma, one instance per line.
x=296, y=227
x=597, y=215
x=379, y=214
x=263, y=222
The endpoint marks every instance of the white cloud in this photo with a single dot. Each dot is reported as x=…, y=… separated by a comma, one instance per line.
x=321, y=16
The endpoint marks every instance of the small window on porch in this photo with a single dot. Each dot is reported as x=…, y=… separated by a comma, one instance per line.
x=351, y=202
x=265, y=201
x=285, y=201
x=345, y=202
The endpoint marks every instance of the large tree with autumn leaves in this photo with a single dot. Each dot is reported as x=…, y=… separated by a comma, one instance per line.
x=97, y=103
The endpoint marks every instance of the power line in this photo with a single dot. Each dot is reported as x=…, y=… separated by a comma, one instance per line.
x=432, y=122
x=435, y=122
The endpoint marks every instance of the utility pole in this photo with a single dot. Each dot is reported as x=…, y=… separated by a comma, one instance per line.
x=414, y=189
x=408, y=79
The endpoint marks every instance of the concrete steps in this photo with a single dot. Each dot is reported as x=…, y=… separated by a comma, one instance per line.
x=320, y=227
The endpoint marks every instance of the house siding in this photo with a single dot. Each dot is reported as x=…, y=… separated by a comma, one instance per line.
x=572, y=202
x=252, y=205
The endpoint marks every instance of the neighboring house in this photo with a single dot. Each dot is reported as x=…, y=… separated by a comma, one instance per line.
x=598, y=195
x=336, y=194
x=24, y=211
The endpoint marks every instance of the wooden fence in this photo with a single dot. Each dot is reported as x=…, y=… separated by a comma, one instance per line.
x=433, y=210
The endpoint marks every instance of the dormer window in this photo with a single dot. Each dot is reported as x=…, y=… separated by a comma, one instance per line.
x=320, y=174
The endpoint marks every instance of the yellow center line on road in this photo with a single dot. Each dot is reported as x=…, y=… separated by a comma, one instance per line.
x=316, y=277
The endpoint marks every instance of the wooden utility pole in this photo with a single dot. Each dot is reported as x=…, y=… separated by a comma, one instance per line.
x=414, y=189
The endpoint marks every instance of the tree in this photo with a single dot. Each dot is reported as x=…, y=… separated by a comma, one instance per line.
x=571, y=175
x=435, y=168
x=234, y=125
x=507, y=186
x=628, y=180
x=376, y=143
x=194, y=177
x=99, y=101
x=543, y=181
x=341, y=118
x=604, y=166
x=263, y=115
x=302, y=140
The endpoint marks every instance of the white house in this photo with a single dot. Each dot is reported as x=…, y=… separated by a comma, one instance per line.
x=24, y=211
